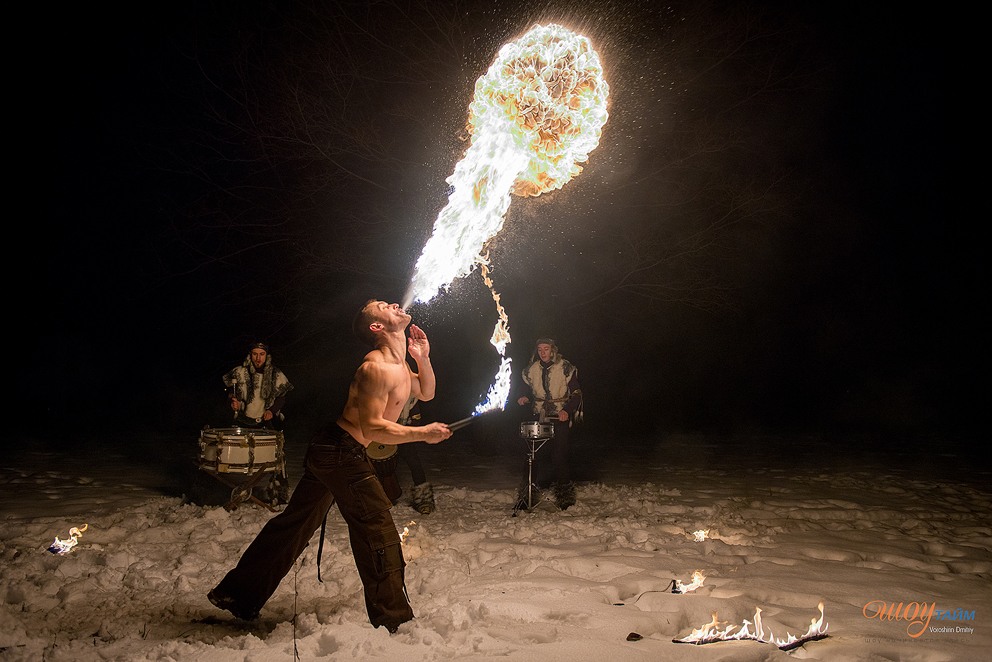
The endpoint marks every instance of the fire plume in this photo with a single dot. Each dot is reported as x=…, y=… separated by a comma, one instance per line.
x=536, y=114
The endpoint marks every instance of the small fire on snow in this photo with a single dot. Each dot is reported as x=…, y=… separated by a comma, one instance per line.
x=697, y=581
x=711, y=632
x=63, y=546
x=406, y=530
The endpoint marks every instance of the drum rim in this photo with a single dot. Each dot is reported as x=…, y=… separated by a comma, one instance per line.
x=243, y=443
x=239, y=433
x=239, y=467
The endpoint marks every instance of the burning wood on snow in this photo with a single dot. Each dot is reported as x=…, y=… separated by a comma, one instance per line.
x=711, y=632
x=64, y=546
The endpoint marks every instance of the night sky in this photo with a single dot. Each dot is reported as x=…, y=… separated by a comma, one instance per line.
x=764, y=241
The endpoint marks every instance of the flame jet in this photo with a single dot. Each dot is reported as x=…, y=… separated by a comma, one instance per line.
x=536, y=114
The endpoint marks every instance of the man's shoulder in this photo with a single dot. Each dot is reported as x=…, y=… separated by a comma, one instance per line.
x=373, y=364
x=367, y=367
x=372, y=358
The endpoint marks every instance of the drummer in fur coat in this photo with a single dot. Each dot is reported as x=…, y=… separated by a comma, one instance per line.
x=257, y=390
x=556, y=397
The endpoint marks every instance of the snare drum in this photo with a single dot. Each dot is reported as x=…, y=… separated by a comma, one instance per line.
x=537, y=430
x=240, y=450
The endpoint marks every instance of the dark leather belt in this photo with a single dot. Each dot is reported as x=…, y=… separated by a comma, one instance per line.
x=344, y=440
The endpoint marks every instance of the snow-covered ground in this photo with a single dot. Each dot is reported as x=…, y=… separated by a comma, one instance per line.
x=896, y=547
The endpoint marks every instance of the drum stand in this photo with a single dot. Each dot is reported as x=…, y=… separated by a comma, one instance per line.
x=241, y=492
x=534, y=445
x=242, y=487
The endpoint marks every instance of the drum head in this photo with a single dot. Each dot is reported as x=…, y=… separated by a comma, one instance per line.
x=377, y=451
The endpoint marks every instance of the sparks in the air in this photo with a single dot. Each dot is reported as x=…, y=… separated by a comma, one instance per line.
x=536, y=114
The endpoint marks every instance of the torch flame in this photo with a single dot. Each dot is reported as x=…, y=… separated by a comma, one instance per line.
x=499, y=392
x=535, y=116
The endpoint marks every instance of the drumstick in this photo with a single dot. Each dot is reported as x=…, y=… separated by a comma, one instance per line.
x=458, y=425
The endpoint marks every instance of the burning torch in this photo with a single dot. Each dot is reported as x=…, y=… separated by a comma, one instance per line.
x=459, y=424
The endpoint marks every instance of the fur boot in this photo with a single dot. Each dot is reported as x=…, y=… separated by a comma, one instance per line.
x=276, y=493
x=564, y=495
x=423, y=498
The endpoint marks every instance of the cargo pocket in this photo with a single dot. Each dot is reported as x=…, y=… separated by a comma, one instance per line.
x=369, y=497
x=388, y=557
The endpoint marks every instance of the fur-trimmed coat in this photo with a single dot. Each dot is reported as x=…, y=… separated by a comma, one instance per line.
x=273, y=385
x=554, y=386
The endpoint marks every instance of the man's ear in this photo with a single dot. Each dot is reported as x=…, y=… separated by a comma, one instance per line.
x=376, y=327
